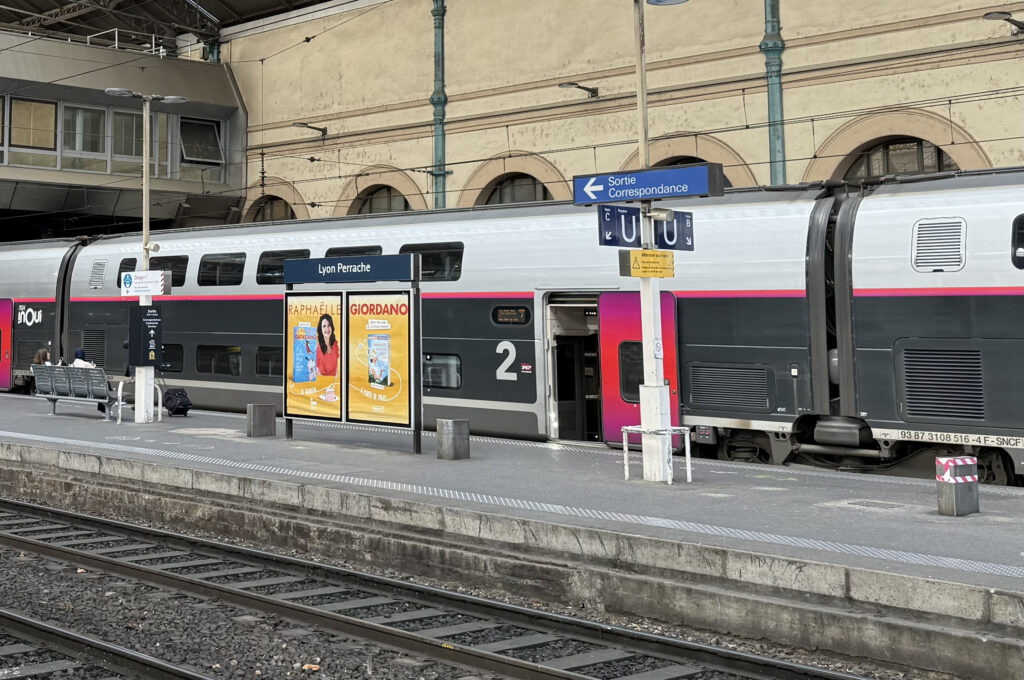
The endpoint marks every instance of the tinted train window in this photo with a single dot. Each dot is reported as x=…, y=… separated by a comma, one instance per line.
x=176, y=264
x=127, y=265
x=269, y=362
x=221, y=269
x=1017, y=243
x=174, y=359
x=442, y=371
x=354, y=251
x=631, y=371
x=511, y=315
x=219, y=359
x=439, y=261
x=270, y=268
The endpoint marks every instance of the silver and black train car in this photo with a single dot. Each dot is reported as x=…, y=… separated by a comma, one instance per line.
x=858, y=327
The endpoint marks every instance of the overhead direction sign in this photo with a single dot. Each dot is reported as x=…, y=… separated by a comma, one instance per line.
x=705, y=179
x=647, y=263
x=349, y=269
x=619, y=226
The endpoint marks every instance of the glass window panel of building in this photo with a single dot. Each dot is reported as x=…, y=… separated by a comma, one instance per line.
x=517, y=188
x=901, y=156
x=273, y=209
x=34, y=124
x=381, y=199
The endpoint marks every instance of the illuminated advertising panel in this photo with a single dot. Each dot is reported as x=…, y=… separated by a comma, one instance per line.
x=313, y=353
x=379, y=381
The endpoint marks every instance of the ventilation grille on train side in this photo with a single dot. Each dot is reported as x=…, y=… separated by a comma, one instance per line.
x=99, y=269
x=94, y=342
x=718, y=387
x=939, y=245
x=943, y=383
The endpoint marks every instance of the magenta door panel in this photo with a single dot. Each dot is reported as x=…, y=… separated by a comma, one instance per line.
x=621, y=357
x=6, y=322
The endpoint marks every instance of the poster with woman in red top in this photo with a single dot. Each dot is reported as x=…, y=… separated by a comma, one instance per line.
x=328, y=351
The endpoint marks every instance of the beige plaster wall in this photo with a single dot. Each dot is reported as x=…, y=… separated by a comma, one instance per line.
x=366, y=75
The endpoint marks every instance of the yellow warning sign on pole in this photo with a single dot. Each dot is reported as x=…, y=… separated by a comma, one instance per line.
x=647, y=263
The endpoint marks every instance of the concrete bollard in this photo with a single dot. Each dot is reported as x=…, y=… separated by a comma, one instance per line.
x=956, y=480
x=260, y=420
x=452, y=439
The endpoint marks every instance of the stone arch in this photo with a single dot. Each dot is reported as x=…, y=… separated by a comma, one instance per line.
x=708, y=147
x=274, y=186
x=374, y=176
x=476, y=188
x=837, y=153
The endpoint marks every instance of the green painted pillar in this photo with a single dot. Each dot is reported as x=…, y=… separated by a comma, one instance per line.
x=772, y=45
x=440, y=101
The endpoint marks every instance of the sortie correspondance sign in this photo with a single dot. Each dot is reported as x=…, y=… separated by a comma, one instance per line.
x=705, y=179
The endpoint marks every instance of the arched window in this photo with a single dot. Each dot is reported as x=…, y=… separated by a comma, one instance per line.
x=517, y=187
x=687, y=160
x=380, y=199
x=272, y=209
x=899, y=156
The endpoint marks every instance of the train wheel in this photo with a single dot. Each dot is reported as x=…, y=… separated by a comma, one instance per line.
x=748, y=447
x=994, y=467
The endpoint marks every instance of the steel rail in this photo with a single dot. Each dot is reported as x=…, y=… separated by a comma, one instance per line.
x=111, y=657
x=680, y=651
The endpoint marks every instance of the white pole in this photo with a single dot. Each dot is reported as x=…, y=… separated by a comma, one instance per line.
x=144, y=374
x=654, y=394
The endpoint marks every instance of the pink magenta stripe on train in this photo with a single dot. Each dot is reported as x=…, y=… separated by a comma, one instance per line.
x=135, y=298
x=740, y=293
x=934, y=292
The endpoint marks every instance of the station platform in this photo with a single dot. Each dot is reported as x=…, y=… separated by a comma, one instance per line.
x=856, y=563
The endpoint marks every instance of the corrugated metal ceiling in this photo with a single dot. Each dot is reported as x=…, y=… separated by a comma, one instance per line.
x=137, y=20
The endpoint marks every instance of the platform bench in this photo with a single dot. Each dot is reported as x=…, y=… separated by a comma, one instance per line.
x=73, y=383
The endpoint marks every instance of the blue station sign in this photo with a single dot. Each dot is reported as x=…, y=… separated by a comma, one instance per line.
x=619, y=226
x=704, y=179
x=349, y=269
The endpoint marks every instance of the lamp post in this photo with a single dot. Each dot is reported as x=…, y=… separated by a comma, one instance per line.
x=144, y=375
x=655, y=405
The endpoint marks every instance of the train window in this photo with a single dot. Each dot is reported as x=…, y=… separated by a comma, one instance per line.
x=439, y=261
x=173, y=359
x=270, y=268
x=511, y=315
x=221, y=269
x=442, y=371
x=127, y=265
x=631, y=371
x=1017, y=244
x=176, y=264
x=219, y=359
x=269, y=362
x=939, y=245
x=354, y=251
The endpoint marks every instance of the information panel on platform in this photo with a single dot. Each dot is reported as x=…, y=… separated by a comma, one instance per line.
x=379, y=344
x=619, y=226
x=704, y=179
x=313, y=370
x=349, y=269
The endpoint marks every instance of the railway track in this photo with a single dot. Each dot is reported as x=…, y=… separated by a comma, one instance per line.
x=34, y=649
x=449, y=627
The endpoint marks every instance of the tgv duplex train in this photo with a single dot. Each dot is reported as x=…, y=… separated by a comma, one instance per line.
x=846, y=326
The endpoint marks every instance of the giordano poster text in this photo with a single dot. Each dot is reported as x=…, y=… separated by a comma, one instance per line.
x=378, y=358
x=313, y=337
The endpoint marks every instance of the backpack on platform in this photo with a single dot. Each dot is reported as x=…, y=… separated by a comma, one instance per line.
x=176, y=402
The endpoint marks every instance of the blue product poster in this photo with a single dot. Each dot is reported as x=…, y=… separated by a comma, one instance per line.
x=304, y=348
x=379, y=364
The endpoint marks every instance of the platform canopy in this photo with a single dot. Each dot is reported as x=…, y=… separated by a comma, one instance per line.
x=137, y=20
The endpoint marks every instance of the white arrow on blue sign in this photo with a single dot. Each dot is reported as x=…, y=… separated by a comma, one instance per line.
x=619, y=226
x=646, y=185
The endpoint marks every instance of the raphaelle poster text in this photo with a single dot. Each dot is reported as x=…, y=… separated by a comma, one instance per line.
x=313, y=337
x=379, y=389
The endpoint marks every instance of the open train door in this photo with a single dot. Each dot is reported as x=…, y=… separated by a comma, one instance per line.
x=6, y=325
x=622, y=363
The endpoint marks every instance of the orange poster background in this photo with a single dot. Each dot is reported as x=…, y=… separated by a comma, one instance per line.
x=378, y=324
x=307, y=393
